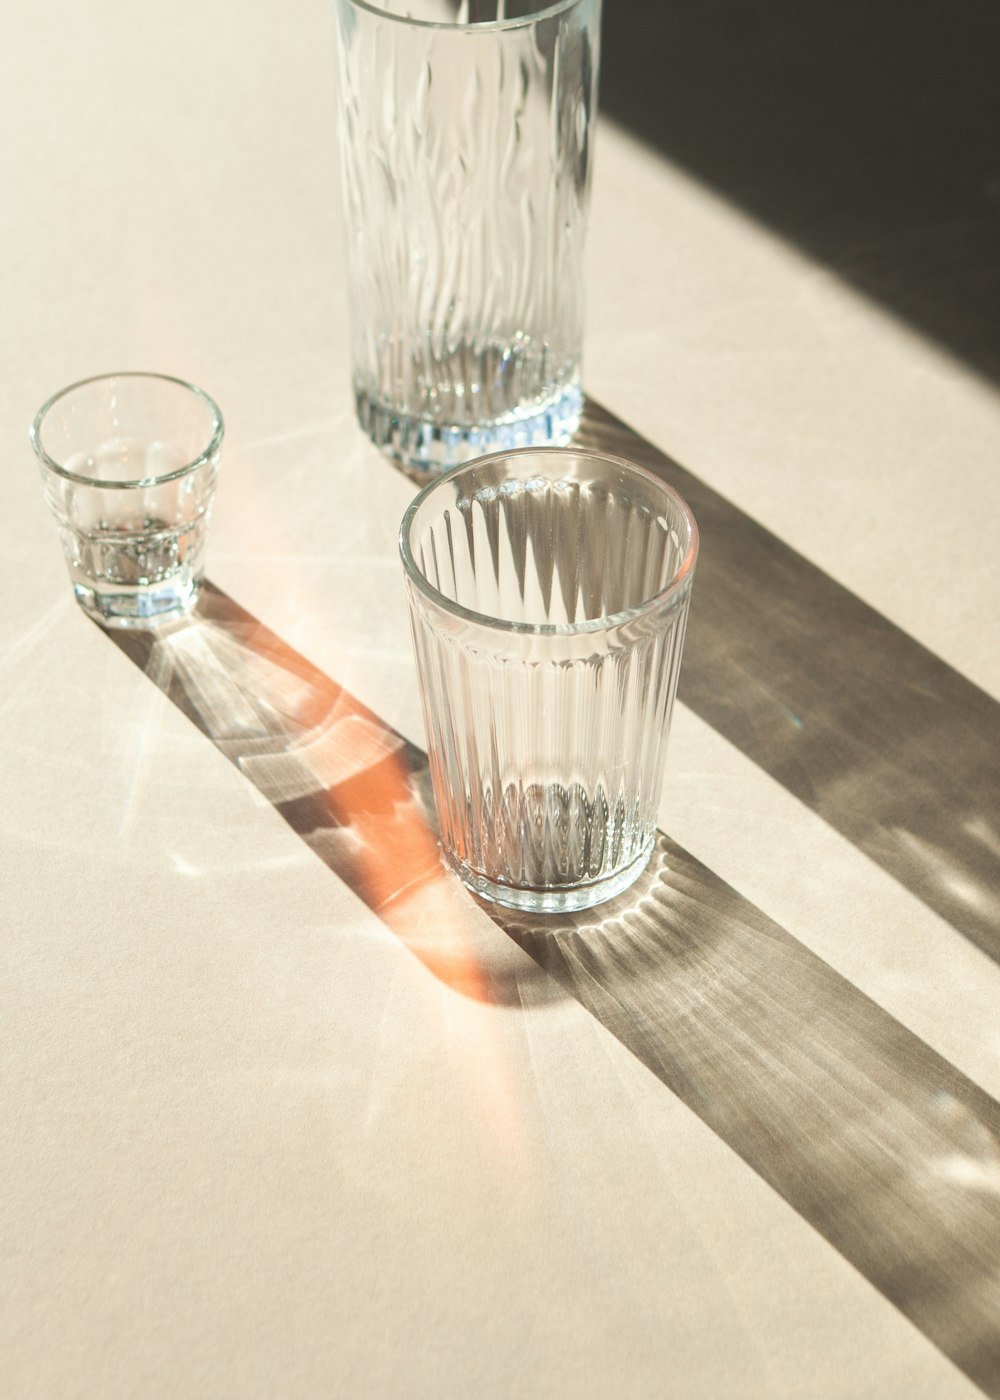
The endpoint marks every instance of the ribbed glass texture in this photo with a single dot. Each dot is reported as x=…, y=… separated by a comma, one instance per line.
x=548, y=594
x=466, y=135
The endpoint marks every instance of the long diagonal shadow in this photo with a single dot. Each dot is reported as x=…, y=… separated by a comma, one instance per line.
x=866, y=134
x=887, y=743
x=352, y=788
x=876, y=1141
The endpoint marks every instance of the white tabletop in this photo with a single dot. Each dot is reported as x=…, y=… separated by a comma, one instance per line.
x=264, y=1135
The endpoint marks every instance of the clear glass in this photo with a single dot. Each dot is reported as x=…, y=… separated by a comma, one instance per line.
x=548, y=593
x=129, y=462
x=466, y=136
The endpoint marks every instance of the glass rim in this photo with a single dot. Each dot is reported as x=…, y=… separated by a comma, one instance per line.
x=157, y=479
x=677, y=582
x=487, y=26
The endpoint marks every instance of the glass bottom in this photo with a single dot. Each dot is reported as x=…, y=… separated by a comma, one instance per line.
x=553, y=899
x=134, y=605
x=429, y=446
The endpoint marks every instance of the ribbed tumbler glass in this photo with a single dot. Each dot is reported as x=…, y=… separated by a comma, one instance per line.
x=548, y=593
x=466, y=135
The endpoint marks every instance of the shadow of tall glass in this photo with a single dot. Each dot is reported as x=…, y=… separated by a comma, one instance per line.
x=466, y=135
x=548, y=593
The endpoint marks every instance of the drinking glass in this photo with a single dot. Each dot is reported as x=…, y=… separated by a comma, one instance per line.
x=466, y=135
x=548, y=592
x=129, y=462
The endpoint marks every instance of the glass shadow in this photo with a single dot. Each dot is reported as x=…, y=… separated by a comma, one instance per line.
x=883, y=740
x=880, y=1144
x=352, y=788
x=865, y=134
x=889, y=1152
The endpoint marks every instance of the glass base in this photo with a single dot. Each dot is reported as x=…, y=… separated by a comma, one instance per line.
x=428, y=447
x=553, y=899
x=124, y=605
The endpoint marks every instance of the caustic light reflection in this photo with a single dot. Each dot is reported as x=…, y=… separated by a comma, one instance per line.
x=351, y=789
x=339, y=777
x=971, y=1160
x=956, y=879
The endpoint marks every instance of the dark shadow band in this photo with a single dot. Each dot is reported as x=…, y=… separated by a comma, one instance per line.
x=883, y=740
x=884, y=1148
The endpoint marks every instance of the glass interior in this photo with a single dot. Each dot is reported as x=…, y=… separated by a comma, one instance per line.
x=127, y=427
x=550, y=537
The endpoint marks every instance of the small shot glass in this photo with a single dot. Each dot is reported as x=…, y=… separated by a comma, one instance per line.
x=548, y=592
x=129, y=462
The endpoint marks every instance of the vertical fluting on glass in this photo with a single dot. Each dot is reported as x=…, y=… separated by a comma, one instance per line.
x=548, y=596
x=466, y=146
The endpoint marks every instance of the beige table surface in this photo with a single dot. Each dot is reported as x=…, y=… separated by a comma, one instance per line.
x=253, y=1141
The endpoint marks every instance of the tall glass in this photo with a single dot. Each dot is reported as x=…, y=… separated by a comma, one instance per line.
x=548, y=593
x=466, y=134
